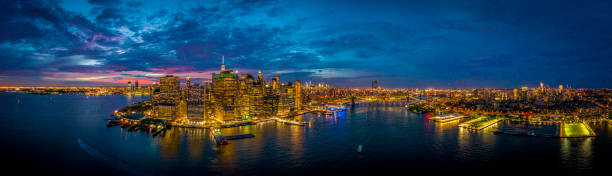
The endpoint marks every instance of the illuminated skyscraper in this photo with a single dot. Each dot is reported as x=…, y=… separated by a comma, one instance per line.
x=298, y=95
x=245, y=96
x=225, y=89
x=374, y=84
x=208, y=102
x=270, y=101
x=168, y=99
x=515, y=93
x=195, y=101
x=276, y=83
x=258, y=96
x=128, y=89
x=260, y=79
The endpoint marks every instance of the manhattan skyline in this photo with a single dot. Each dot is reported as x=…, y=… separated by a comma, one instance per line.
x=408, y=44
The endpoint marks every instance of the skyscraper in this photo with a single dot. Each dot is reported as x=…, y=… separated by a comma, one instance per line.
x=374, y=84
x=270, y=101
x=225, y=89
x=129, y=87
x=195, y=102
x=515, y=93
x=276, y=83
x=258, y=96
x=169, y=96
x=260, y=79
x=298, y=95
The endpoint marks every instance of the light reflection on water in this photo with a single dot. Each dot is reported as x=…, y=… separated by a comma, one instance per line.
x=577, y=152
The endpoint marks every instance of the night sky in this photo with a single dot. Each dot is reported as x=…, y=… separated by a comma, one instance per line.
x=411, y=44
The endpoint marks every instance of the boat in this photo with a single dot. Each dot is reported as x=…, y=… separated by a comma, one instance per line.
x=113, y=123
x=336, y=107
x=133, y=128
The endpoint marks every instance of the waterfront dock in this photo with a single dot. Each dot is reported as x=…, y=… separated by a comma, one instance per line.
x=289, y=121
x=480, y=123
x=240, y=136
x=446, y=118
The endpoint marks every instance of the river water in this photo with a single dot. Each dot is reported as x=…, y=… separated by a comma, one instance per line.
x=67, y=134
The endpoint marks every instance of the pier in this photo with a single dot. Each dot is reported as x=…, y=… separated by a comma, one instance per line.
x=240, y=136
x=480, y=123
x=446, y=118
x=575, y=129
x=290, y=121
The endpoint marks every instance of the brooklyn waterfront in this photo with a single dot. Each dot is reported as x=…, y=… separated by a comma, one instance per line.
x=67, y=134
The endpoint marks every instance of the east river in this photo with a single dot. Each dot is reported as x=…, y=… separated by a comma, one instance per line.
x=67, y=134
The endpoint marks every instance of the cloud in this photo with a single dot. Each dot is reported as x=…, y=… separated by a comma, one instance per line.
x=106, y=2
x=402, y=44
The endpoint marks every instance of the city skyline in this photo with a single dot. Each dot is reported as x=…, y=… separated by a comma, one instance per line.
x=305, y=87
x=399, y=44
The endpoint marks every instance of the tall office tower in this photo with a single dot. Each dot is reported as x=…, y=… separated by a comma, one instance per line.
x=195, y=102
x=208, y=102
x=136, y=85
x=276, y=83
x=128, y=89
x=284, y=101
x=258, y=95
x=187, y=86
x=225, y=89
x=515, y=93
x=168, y=99
x=560, y=88
x=270, y=101
x=244, y=97
x=291, y=97
x=260, y=78
x=181, y=113
x=188, y=82
x=298, y=95
x=374, y=84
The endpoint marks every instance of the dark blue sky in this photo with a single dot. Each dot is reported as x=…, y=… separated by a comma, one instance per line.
x=412, y=44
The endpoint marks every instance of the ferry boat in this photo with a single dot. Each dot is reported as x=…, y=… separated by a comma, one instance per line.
x=336, y=107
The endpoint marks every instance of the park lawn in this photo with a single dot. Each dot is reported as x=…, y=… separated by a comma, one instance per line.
x=575, y=130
